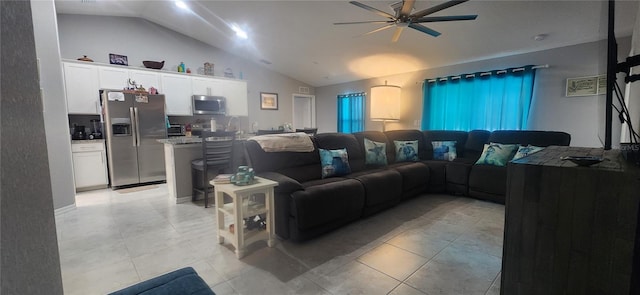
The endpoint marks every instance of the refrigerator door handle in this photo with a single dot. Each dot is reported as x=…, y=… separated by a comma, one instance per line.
x=135, y=111
x=134, y=125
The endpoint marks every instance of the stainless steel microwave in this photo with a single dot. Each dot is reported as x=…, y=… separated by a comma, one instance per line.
x=209, y=105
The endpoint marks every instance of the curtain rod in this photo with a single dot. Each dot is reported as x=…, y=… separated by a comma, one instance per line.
x=482, y=74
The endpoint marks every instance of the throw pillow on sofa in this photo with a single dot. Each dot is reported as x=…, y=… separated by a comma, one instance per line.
x=334, y=162
x=406, y=150
x=376, y=152
x=524, y=151
x=497, y=154
x=444, y=150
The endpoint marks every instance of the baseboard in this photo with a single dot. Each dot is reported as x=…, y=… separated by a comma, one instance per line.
x=183, y=200
x=65, y=209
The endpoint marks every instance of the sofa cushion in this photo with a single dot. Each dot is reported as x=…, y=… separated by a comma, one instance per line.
x=497, y=154
x=444, y=150
x=460, y=137
x=334, y=162
x=383, y=188
x=475, y=144
x=405, y=135
x=375, y=153
x=406, y=150
x=524, y=151
x=488, y=179
x=415, y=176
x=326, y=200
x=333, y=141
x=532, y=137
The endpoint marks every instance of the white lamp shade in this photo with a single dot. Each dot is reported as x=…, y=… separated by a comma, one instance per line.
x=385, y=103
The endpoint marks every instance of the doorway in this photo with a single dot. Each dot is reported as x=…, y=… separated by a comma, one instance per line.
x=304, y=111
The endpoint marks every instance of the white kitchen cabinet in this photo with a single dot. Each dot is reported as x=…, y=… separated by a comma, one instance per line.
x=236, y=94
x=89, y=165
x=146, y=79
x=113, y=77
x=81, y=86
x=177, y=92
x=207, y=86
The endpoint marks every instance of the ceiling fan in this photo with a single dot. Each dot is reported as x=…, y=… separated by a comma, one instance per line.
x=404, y=18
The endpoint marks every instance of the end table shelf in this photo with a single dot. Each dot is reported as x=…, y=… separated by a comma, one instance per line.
x=242, y=207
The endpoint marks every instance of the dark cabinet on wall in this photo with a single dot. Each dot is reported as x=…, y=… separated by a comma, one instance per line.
x=570, y=229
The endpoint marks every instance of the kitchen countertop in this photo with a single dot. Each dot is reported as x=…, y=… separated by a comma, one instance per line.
x=179, y=140
x=73, y=141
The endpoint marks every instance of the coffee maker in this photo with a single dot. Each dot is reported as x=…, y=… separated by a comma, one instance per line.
x=96, y=130
x=78, y=133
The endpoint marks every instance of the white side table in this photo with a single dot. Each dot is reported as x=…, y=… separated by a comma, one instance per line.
x=241, y=207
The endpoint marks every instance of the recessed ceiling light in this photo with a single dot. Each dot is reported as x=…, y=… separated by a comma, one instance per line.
x=181, y=4
x=239, y=32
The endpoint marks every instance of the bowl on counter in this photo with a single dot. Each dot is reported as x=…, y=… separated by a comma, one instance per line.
x=156, y=65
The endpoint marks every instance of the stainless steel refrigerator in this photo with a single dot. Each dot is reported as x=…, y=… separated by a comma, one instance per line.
x=134, y=122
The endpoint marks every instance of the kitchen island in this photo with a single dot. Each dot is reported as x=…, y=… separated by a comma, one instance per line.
x=178, y=154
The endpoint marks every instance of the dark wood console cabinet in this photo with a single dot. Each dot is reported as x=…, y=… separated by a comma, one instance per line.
x=570, y=229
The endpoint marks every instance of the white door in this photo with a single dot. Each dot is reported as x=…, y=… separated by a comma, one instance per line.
x=177, y=94
x=113, y=78
x=304, y=111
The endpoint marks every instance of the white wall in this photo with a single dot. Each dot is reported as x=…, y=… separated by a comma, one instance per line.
x=55, y=104
x=551, y=110
x=29, y=259
x=633, y=93
x=138, y=39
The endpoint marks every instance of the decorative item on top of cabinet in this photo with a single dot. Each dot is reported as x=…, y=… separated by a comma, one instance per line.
x=208, y=69
x=156, y=65
x=117, y=59
x=85, y=58
x=228, y=73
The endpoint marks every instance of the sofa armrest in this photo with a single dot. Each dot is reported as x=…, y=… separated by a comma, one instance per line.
x=282, y=200
x=286, y=184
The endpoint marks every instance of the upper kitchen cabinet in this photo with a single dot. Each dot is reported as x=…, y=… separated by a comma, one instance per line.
x=236, y=94
x=207, y=86
x=177, y=92
x=113, y=77
x=146, y=79
x=81, y=86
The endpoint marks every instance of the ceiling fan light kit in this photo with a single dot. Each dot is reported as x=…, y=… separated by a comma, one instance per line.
x=404, y=18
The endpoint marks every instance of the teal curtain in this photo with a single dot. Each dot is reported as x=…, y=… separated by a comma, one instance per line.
x=495, y=100
x=351, y=112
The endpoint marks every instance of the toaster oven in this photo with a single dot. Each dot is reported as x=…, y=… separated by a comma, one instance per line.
x=176, y=130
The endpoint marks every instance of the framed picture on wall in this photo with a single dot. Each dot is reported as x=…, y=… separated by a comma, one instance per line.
x=117, y=59
x=582, y=86
x=268, y=101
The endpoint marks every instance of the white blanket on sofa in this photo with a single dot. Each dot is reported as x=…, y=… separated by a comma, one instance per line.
x=285, y=142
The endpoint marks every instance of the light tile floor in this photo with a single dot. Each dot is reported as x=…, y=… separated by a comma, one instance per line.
x=432, y=244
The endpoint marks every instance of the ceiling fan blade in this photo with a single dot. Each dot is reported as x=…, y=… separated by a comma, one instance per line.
x=379, y=29
x=407, y=6
x=374, y=10
x=430, y=19
x=396, y=35
x=436, y=8
x=366, y=22
x=424, y=29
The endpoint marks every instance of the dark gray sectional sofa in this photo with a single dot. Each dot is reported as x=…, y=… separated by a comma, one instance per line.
x=306, y=205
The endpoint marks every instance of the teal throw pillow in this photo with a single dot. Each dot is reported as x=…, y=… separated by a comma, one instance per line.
x=524, y=151
x=376, y=153
x=334, y=162
x=497, y=154
x=444, y=150
x=406, y=151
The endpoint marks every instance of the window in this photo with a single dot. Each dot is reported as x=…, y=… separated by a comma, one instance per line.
x=496, y=100
x=351, y=112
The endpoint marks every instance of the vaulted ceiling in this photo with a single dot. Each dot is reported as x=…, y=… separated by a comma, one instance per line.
x=298, y=37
